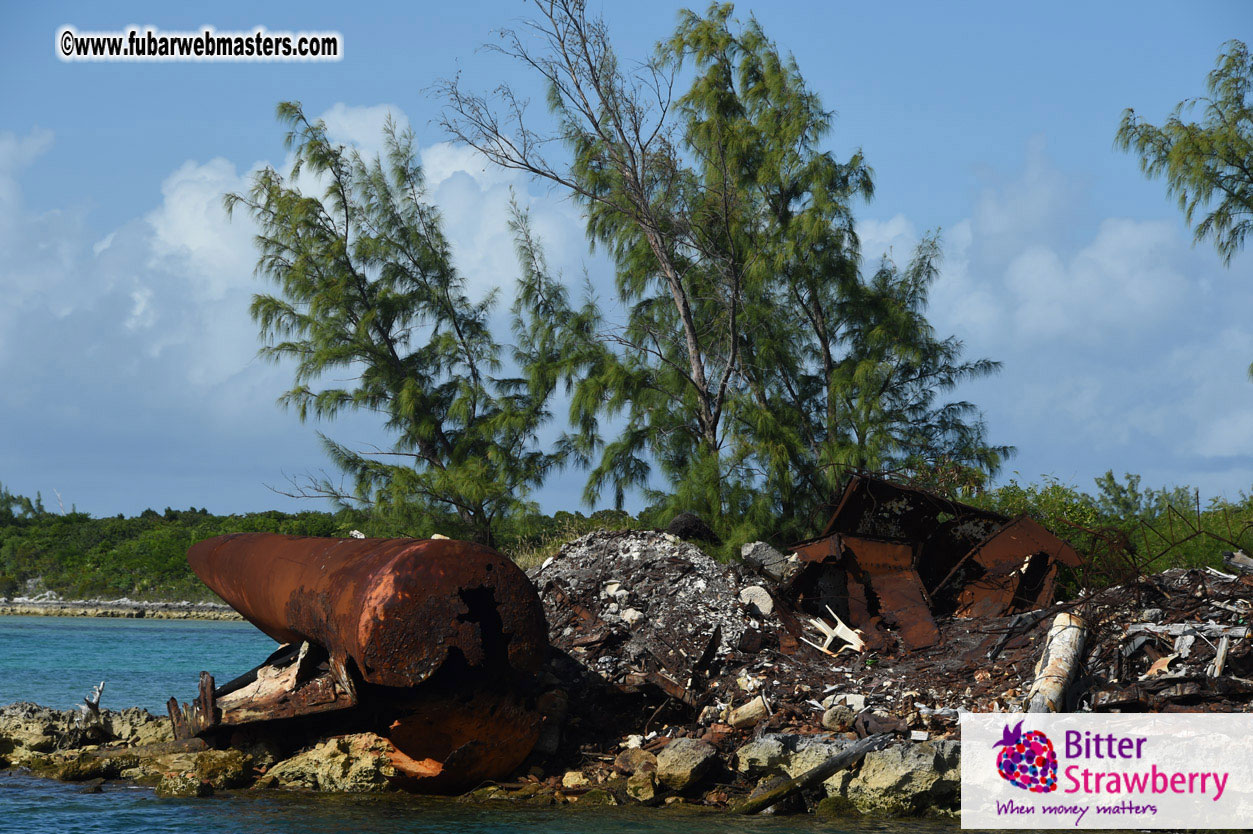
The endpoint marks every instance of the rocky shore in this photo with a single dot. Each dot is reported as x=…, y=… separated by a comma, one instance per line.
x=132, y=745
x=48, y=605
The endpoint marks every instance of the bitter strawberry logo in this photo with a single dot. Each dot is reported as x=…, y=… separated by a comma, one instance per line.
x=1028, y=759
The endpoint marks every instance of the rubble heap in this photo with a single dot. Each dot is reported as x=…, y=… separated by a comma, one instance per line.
x=642, y=608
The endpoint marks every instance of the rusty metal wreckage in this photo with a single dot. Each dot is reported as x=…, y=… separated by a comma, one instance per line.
x=432, y=643
x=437, y=644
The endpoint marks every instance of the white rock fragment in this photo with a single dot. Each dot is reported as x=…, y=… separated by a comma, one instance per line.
x=758, y=601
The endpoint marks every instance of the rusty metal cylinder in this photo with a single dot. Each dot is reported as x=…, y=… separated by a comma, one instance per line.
x=445, y=636
x=398, y=608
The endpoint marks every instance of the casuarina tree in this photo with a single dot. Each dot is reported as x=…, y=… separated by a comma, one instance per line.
x=367, y=293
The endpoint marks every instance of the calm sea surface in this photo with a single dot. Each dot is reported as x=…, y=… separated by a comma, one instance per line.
x=55, y=661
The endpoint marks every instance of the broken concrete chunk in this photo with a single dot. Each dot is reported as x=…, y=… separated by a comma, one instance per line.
x=767, y=561
x=758, y=600
x=856, y=703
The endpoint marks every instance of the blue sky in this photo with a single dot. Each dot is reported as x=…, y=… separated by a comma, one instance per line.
x=128, y=376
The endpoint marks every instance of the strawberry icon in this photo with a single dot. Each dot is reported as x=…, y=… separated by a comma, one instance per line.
x=1027, y=760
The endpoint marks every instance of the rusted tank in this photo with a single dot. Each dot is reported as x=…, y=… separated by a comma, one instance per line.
x=433, y=643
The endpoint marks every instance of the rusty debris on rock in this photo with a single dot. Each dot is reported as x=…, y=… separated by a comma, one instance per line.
x=908, y=609
x=435, y=643
x=894, y=557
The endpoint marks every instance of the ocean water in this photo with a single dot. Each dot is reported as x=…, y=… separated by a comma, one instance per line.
x=55, y=661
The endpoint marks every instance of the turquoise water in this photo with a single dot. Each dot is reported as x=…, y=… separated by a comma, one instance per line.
x=55, y=661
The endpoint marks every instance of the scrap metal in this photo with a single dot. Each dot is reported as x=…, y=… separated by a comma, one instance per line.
x=435, y=643
x=892, y=557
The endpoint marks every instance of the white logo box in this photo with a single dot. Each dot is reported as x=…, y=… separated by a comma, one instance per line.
x=1112, y=771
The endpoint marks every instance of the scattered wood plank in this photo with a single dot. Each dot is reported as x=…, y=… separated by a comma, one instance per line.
x=847, y=757
x=1180, y=629
x=1220, y=657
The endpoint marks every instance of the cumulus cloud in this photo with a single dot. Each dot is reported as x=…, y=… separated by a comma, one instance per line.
x=1123, y=346
x=127, y=352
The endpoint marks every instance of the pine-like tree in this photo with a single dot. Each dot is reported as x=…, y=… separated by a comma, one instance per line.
x=367, y=287
x=756, y=365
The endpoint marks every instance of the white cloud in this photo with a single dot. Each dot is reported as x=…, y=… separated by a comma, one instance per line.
x=1125, y=350
x=192, y=236
x=362, y=126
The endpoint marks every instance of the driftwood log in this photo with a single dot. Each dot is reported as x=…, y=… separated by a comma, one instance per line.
x=1063, y=648
x=847, y=757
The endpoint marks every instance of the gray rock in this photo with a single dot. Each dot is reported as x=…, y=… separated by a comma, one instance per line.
x=785, y=753
x=635, y=760
x=761, y=755
x=684, y=762
x=838, y=719
x=642, y=786
x=767, y=561
x=903, y=780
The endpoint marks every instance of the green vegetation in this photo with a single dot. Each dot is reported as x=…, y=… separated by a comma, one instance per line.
x=1208, y=165
x=367, y=289
x=145, y=557
x=1124, y=529
x=758, y=362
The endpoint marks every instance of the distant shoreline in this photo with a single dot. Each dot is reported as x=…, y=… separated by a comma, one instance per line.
x=118, y=608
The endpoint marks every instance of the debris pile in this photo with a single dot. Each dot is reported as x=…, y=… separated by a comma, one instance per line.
x=894, y=557
x=1176, y=641
x=640, y=608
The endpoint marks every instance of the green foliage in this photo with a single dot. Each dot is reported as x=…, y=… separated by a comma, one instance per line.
x=1208, y=165
x=367, y=287
x=1124, y=530
x=755, y=364
x=145, y=557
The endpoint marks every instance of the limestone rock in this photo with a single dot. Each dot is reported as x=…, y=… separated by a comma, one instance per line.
x=183, y=785
x=903, y=780
x=786, y=753
x=684, y=762
x=642, y=786
x=136, y=727
x=635, y=760
x=358, y=763
x=761, y=755
x=574, y=779
x=597, y=796
x=224, y=769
